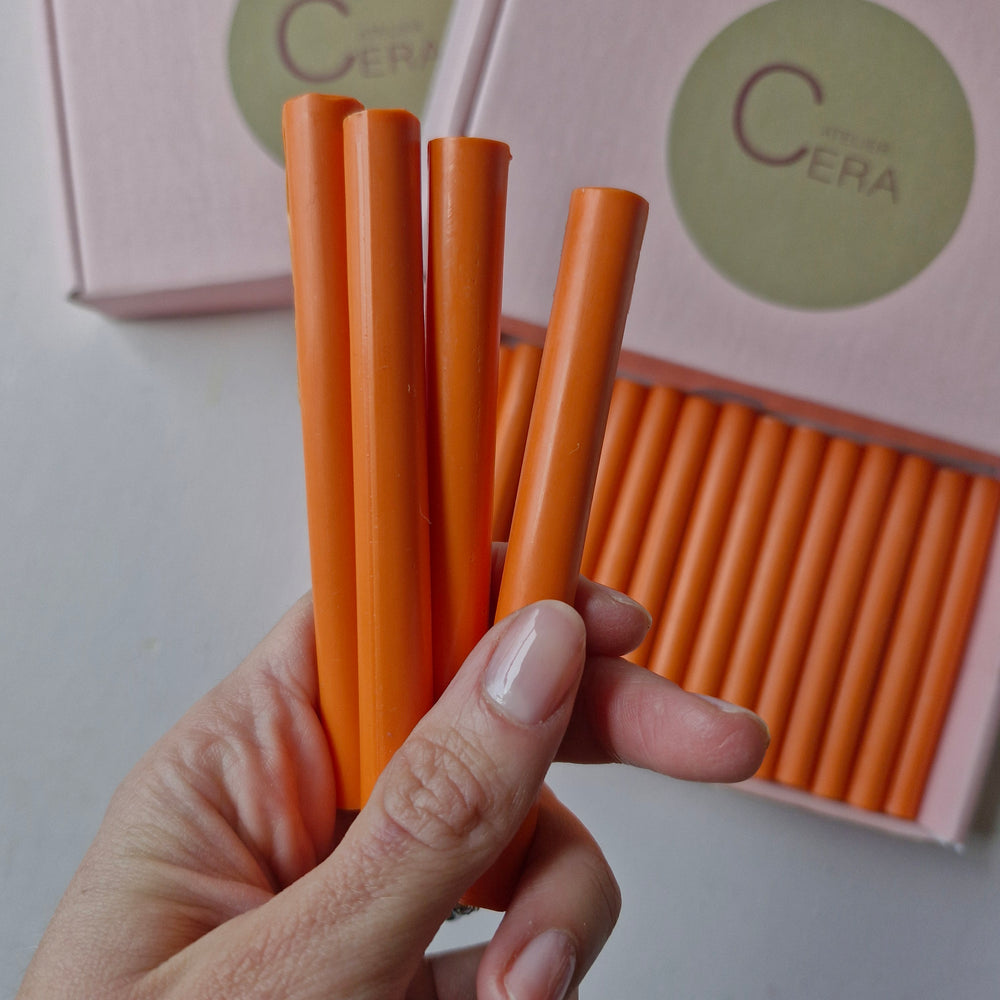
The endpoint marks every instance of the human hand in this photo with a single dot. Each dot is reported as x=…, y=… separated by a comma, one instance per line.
x=222, y=869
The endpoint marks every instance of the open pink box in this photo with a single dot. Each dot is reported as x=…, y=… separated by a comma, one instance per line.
x=756, y=138
x=168, y=119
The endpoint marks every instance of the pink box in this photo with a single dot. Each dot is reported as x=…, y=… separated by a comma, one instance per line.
x=824, y=207
x=169, y=134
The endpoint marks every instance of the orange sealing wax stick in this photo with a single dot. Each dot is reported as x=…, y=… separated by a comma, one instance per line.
x=879, y=598
x=917, y=609
x=512, y=432
x=835, y=617
x=675, y=637
x=668, y=516
x=800, y=467
x=805, y=590
x=627, y=398
x=503, y=374
x=385, y=295
x=737, y=557
x=592, y=295
x=466, y=216
x=947, y=645
x=312, y=126
x=628, y=520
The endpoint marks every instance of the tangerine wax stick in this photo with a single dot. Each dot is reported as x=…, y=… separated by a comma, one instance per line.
x=512, y=432
x=467, y=198
x=676, y=634
x=800, y=467
x=917, y=609
x=385, y=297
x=668, y=515
x=805, y=589
x=312, y=127
x=627, y=398
x=737, y=557
x=865, y=649
x=592, y=295
x=628, y=520
x=946, y=647
x=822, y=666
x=503, y=374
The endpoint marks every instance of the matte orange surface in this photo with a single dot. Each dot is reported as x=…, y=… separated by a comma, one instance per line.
x=681, y=615
x=512, y=432
x=804, y=592
x=627, y=398
x=635, y=497
x=863, y=659
x=947, y=644
x=669, y=513
x=385, y=295
x=836, y=614
x=918, y=608
x=593, y=290
x=466, y=218
x=793, y=493
x=312, y=126
x=738, y=556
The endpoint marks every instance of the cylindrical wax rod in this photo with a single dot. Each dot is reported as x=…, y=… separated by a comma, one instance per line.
x=681, y=615
x=592, y=295
x=627, y=398
x=789, y=508
x=805, y=589
x=512, y=432
x=628, y=520
x=946, y=647
x=503, y=373
x=908, y=642
x=737, y=557
x=385, y=296
x=466, y=216
x=312, y=126
x=568, y=418
x=668, y=515
x=821, y=669
x=867, y=643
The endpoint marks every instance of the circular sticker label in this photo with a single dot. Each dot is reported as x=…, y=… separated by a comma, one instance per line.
x=821, y=154
x=381, y=52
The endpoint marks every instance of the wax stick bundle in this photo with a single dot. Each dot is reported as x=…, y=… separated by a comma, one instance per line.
x=826, y=583
x=399, y=418
x=403, y=452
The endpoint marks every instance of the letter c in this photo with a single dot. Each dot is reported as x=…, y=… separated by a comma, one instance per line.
x=286, y=54
x=741, y=100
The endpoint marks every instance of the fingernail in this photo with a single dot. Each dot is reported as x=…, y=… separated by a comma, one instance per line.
x=543, y=970
x=732, y=709
x=537, y=661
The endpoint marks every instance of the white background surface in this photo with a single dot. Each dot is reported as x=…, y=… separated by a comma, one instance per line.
x=152, y=529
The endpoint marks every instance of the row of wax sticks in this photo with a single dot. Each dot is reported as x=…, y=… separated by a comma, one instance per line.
x=826, y=583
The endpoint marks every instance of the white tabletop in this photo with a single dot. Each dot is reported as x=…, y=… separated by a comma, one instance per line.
x=152, y=529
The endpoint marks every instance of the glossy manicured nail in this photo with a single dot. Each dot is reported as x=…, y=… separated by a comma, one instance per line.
x=537, y=661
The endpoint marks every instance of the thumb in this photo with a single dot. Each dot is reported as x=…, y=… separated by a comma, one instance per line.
x=444, y=808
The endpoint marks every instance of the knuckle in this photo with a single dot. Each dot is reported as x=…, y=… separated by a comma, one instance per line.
x=441, y=793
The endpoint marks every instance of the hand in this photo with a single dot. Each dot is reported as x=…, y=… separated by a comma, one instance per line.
x=222, y=871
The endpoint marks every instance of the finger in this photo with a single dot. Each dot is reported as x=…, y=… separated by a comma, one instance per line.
x=615, y=623
x=444, y=808
x=626, y=714
x=566, y=905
